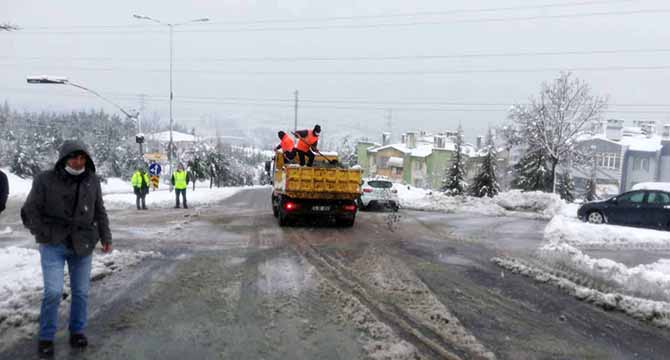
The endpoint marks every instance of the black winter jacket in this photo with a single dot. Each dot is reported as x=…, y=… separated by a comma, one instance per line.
x=4, y=191
x=62, y=208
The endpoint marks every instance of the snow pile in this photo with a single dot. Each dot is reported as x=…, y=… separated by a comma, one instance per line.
x=540, y=204
x=165, y=198
x=649, y=280
x=545, y=204
x=568, y=229
x=657, y=312
x=21, y=281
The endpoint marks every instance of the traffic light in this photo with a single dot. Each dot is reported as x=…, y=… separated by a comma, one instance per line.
x=139, y=139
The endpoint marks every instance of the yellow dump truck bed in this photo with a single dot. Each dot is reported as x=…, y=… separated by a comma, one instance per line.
x=318, y=182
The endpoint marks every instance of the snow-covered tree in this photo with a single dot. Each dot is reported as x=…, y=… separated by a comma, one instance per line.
x=485, y=183
x=566, y=186
x=454, y=182
x=531, y=173
x=551, y=123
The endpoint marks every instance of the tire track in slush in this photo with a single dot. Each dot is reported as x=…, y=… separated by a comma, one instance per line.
x=429, y=339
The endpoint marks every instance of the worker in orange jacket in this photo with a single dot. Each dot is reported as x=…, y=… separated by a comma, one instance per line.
x=307, y=141
x=286, y=145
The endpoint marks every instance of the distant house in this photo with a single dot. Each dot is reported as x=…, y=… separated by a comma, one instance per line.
x=624, y=156
x=420, y=159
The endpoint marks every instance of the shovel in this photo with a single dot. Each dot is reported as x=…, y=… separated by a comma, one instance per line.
x=331, y=161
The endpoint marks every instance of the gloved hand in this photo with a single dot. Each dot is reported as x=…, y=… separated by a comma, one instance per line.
x=106, y=248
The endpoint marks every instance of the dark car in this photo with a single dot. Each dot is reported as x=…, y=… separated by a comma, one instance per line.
x=644, y=208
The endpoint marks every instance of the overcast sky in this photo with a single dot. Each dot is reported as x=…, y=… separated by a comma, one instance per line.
x=434, y=64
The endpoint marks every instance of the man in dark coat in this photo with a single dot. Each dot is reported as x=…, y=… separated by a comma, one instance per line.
x=4, y=191
x=66, y=214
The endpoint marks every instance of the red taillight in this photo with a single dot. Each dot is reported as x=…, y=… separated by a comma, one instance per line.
x=349, y=207
x=289, y=206
x=368, y=190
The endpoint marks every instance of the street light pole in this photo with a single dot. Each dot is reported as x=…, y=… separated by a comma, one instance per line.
x=171, y=27
x=59, y=80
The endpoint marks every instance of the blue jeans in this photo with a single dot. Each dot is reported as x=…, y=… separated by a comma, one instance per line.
x=53, y=258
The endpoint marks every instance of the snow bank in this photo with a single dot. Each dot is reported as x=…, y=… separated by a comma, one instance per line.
x=656, y=312
x=566, y=228
x=649, y=280
x=540, y=204
x=165, y=198
x=19, y=189
x=21, y=281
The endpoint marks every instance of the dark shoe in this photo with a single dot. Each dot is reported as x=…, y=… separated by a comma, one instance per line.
x=78, y=341
x=45, y=349
x=144, y=208
x=185, y=207
x=176, y=207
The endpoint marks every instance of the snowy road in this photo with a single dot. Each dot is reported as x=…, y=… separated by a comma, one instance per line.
x=231, y=284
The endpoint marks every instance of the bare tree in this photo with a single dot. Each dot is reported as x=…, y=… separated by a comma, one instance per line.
x=551, y=123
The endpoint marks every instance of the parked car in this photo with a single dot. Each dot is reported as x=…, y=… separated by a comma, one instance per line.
x=643, y=208
x=378, y=193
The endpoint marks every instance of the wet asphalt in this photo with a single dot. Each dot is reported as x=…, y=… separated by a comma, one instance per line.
x=231, y=284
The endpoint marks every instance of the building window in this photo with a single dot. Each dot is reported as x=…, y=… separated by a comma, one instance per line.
x=636, y=164
x=609, y=161
x=645, y=164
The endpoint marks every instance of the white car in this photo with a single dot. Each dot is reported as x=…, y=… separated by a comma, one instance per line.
x=378, y=193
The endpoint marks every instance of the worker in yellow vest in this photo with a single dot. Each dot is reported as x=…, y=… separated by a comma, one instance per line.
x=180, y=182
x=140, y=183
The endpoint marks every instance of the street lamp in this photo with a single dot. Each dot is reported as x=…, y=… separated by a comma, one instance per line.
x=60, y=80
x=170, y=26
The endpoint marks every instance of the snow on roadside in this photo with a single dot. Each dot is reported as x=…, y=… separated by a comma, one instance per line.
x=656, y=312
x=21, y=282
x=568, y=229
x=165, y=198
x=539, y=204
x=648, y=280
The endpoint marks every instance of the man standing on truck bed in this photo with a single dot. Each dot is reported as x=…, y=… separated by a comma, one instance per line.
x=286, y=145
x=307, y=141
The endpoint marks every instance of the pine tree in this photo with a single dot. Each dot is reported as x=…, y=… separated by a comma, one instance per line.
x=566, y=187
x=485, y=183
x=454, y=182
x=532, y=173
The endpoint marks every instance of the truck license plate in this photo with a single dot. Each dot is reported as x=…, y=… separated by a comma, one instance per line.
x=321, y=208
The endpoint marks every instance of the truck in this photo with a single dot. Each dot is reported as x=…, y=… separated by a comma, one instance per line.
x=325, y=190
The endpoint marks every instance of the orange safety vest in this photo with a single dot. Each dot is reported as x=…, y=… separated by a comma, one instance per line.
x=287, y=143
x=307, y=141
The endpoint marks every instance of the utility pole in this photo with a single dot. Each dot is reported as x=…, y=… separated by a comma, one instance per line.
x=139, y=123
x=295, y=112
x=389, y=121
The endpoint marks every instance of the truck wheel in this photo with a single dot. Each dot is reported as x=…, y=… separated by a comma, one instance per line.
x=275, y=207
x=361, y=207
x=346, y=222
x=283, y=219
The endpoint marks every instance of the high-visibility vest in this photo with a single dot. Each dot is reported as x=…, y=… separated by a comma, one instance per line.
x=287, y=143
x=180, y=180
x=305, y=143
x=136, y=180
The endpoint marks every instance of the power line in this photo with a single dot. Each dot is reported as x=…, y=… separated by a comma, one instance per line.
x=358, y=58
x=352, y=101
x=319, y=105
x=376, y=73
x=359, y=26
x=353, y=17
